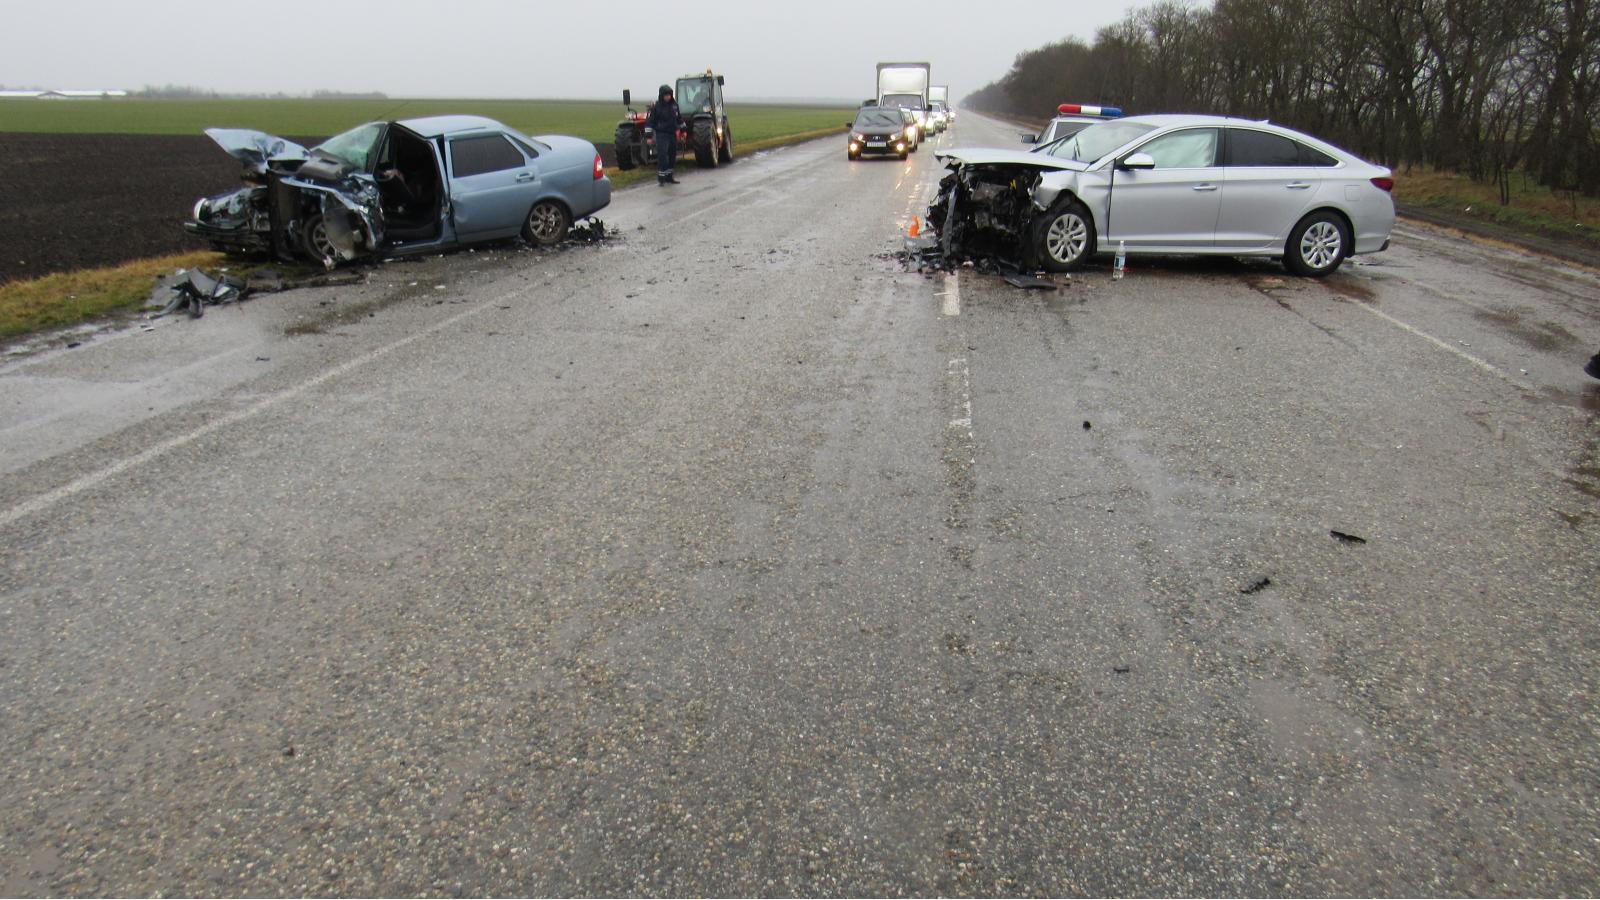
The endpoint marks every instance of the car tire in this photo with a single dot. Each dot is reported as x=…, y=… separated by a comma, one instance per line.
x=704, y=137
x=314, y=241
x=547, y=224
x=1317, y=245
x=904, y=153
x=1063, y=238
x=851, y=156
x=725, y=152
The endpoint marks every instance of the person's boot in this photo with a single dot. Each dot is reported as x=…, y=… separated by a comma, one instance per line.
x=670, y=179
x=661, y=180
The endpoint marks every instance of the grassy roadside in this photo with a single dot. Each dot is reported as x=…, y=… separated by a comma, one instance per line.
x=71, y=298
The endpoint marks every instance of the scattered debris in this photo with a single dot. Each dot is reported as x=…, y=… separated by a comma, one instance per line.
x=1593, y=368
x=197, y=289
x=1032, y=282
x=74, y=344
x=1086, y=425
x=1257, y=585
x=1122, y=670
x=1347, y=538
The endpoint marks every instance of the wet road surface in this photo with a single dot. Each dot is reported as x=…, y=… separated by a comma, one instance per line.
x=727, y=558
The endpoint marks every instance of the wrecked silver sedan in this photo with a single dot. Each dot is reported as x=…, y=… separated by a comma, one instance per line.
x=1166, y=185
x=398, y=188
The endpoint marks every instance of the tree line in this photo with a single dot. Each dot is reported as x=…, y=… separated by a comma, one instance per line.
x=1483, y=87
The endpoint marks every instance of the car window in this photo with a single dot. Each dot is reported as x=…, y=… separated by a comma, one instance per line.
x=485, y=153
x=1192, y=148
x=1260, y=148
x=354, y=146
x=526, y=148
x=1059, y=130
x=1097, y=140
x=1313, y=157
x=877, y=118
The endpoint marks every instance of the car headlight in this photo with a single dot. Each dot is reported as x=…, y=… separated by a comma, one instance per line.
x=910, y=130
x=858, y=137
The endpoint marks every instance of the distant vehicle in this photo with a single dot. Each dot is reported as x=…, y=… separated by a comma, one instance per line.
x=397, y=188
x=939, y=104
x=905, y=84
x=908, y=119
x=1071, y=118
x=878, y=130
x=705, y=128
x=1155, y=184
x=939, y=116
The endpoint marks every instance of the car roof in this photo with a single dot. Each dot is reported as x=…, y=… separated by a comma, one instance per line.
x=436, y=126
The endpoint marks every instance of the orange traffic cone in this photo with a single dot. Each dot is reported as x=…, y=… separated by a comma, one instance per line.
x=916, y=226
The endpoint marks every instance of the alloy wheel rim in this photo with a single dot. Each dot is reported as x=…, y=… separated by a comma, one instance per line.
x=320, y=242
x=1320, y=245
x=546, y=221
x=1066, y=238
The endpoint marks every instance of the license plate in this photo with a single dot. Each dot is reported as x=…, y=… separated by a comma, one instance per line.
x=876, y=143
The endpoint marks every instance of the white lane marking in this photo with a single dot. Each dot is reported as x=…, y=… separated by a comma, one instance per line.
x=79, y=485
x=1485, y=365
x=958, y=369
x=951, y=304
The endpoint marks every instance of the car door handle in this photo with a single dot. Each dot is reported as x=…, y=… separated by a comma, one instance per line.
x=525, y=176
x=1298, y=185
x=1205, y=187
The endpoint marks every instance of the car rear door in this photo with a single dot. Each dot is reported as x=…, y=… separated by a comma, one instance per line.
x=492, y=184
x=1270, y=182
x=1174, y=205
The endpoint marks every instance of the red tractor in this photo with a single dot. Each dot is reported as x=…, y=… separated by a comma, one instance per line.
x=705, y=126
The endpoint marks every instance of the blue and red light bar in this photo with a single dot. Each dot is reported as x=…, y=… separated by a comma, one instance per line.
x=1076, y=109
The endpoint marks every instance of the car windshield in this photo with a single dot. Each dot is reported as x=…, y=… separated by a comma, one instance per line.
x=904, y=101
x=1059, y=130
x=878, y=118
x=694, y=95
x=1096, y=141
x=354, y=146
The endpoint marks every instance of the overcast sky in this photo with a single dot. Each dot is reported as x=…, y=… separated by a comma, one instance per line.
x=537, y=49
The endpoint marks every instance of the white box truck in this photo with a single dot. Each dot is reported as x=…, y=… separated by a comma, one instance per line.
x=905, y=84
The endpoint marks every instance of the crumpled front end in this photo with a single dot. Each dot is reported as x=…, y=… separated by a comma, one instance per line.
x=984, y=213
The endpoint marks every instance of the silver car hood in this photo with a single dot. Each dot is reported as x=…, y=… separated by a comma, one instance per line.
x=256, y=148
x=985, y=156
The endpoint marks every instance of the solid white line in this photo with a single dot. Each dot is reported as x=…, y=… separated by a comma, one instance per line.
x=79, y=485
x=951, y=304
x=1446, y=346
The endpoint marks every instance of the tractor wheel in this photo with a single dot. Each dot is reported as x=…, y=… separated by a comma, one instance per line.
x=725, y=152
x=626, y=141
x=704, y=137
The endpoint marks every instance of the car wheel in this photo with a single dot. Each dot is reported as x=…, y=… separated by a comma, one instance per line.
x=1317, y=245
x=314, y=241
x=851, y=156
x=1063, y=237
x=547, y=224
x=725, y=153
x=904, y=153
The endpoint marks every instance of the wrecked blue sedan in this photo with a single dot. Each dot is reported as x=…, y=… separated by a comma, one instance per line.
x=398, y=188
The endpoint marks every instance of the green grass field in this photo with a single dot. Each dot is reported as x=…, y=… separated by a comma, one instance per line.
x=593, y=120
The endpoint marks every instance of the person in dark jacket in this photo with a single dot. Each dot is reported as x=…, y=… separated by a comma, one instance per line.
x=664, y=118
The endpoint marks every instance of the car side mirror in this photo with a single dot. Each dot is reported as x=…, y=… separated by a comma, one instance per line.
x=849, y=124
x=719, y=81
x=1030, y=139
x=627, y=97
x=1137, y=161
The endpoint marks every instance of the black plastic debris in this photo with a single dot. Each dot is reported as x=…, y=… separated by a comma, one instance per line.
x=1032, y=282
x=1344, y=538
x=591, y=231
x=1255, y=585
x=1593, y=368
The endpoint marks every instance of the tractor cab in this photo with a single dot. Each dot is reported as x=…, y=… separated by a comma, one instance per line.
x=700, y=95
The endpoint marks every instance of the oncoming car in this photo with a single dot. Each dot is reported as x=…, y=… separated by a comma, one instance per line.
x=1071, y=118
x=878, y=129
x=397, y=188
x=1169, y=185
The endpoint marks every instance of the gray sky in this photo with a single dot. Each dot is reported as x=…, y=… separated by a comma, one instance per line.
x=483, y=48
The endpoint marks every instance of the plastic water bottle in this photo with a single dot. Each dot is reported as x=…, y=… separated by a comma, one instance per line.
x=1121, y=261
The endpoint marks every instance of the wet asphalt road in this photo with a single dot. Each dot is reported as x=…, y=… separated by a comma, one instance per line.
x=726, y=558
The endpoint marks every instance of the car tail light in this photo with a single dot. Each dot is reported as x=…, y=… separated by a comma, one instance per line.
x=599, y=168
x=1383, y=184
